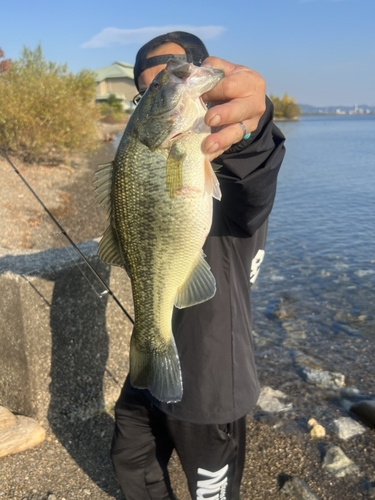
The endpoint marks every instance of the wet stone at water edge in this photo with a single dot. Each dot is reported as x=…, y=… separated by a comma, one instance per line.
x=297, y=489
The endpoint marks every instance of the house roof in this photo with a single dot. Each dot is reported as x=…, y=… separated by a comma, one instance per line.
x=115, y=70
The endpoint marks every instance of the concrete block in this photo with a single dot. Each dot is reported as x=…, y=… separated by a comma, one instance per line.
x=63, y=349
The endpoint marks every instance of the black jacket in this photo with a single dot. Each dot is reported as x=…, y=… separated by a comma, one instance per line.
x=214, y=339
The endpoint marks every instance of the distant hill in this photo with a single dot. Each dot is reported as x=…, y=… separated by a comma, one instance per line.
x=358, y=109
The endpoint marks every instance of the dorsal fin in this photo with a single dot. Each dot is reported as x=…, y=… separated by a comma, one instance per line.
x=109, y=248
x=103, y=185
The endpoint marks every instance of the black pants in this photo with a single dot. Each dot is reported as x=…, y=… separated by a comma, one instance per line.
x=212, y=456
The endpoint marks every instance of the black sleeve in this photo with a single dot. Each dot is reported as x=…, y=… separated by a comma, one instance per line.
x=248, y=174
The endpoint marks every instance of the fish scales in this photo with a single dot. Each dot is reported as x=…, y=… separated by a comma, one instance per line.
x=160, y=214
x=158, y=219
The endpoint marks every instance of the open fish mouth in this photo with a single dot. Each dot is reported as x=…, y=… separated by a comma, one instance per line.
x=182, y=72
x=198, y=77
x=204, y=104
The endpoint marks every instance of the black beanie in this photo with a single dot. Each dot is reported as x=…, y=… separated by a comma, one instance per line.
x=195, y=50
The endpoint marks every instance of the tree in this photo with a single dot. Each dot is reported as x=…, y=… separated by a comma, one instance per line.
x=285, y=107
x=112, y=110
x=45, y=110
x=4, y=63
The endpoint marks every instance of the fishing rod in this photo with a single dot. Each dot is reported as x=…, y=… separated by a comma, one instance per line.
x=85, y=260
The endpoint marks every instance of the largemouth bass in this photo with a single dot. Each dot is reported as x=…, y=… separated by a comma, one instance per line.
x=158, y=192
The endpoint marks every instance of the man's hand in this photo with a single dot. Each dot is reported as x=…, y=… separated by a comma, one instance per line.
x=239, y=97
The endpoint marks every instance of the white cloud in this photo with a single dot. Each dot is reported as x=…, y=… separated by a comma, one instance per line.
x=115, y=36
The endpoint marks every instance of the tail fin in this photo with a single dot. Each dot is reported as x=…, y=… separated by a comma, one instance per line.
x=159, y=372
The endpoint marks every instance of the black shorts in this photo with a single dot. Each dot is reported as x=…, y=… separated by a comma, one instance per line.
x=212, y=456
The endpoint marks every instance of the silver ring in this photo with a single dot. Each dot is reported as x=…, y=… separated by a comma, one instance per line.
x=243, y=128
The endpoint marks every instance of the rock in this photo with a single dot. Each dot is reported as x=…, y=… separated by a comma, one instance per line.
x=298, y=490
x=7, y=419
x=25, y=434
x=352, y=393
x=302, y=360
x=324, y=379
x=346, y=428
x=317, y=431
x=268, y=400
x=109, y=137
x=345, y=404
x=268, y=419
x=349, y=396
x=281, y=309
x=365, y=410
x=293, y=427
x=337, y=463
x=268, y=391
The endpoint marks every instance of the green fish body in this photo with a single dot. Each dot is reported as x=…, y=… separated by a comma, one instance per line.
x=158, y=192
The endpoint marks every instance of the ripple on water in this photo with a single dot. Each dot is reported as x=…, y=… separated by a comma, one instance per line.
x=316, y=289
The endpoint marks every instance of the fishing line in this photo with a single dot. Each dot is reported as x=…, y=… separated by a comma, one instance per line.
x=92, y=269
x=99, y=295
x=36, y=290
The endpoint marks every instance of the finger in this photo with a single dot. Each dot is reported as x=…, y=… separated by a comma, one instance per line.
x=218, y=63
x=237, y=110
x=212, y=156
x=222, y=139
x=238, y=81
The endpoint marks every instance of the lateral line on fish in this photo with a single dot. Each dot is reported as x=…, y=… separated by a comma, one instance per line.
x=57, y=223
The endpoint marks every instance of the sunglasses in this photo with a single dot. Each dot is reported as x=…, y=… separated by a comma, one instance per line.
x=138, y=97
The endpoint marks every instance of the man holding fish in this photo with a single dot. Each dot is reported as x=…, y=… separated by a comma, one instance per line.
x=192, y=378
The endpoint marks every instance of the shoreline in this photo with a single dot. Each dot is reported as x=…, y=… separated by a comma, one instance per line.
x=75, y=463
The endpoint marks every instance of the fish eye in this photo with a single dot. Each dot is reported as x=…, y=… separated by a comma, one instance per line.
x=155, y=86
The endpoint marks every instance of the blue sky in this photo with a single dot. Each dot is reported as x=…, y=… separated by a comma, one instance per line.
x=322, y=52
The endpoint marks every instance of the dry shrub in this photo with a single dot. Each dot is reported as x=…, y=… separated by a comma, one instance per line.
x=46, y=111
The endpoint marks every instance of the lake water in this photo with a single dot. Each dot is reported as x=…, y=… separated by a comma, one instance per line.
x=317, y=283
x=320, y=254
x=315, y=294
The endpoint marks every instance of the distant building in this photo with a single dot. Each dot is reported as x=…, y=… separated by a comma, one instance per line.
x=116, y=79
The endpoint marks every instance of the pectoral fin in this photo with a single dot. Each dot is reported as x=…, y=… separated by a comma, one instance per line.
x=212, y=183
x=199, y=287
x=174, y=169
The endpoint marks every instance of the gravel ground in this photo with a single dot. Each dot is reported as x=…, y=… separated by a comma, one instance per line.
x=277, y=447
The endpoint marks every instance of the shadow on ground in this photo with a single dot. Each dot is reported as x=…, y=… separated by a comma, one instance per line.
x=78, y=364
